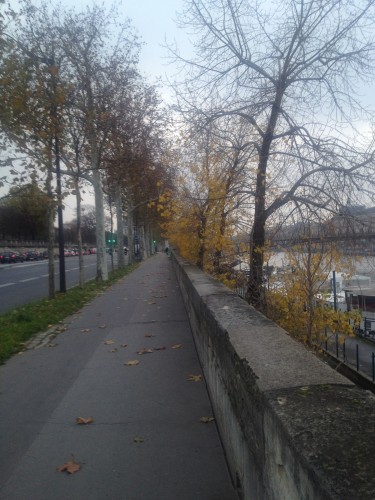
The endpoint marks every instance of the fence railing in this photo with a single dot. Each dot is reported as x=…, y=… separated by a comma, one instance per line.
x=358, y=355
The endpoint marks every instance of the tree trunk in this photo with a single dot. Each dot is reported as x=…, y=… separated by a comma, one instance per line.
x=148, y=239
x=101, y=257
x=142, y=242
x=51, y=236
x=202, y=242
x=120, y=229
x=255, y=292
x=130, y=236
x=79, y=236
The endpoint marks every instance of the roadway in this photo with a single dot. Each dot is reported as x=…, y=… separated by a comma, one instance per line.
x=25, y=282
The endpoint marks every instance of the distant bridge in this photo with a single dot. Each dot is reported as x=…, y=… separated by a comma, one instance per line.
x=357, y=239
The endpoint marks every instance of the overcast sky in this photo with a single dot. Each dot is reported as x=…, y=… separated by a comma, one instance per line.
x=154, y=22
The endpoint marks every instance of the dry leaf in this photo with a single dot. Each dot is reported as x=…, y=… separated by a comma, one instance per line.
x=102, y=326
x=177, y=346
x=149, y=335
x=109, y=342
x=151, y=303
x=206, y=420
x=113, y=350
x=84, y=421
x=134, y=362
x=162, y=348
x=138, y=439
x=52, y=345
x=85, y=330
x=124, y=345
x=70, y=467
x=195, y=378
x=145, y=351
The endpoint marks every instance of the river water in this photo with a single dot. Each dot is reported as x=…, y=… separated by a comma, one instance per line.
x=362, y=282
x=363, y=265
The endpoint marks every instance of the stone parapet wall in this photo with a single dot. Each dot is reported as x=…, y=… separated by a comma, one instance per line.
x=292, y=427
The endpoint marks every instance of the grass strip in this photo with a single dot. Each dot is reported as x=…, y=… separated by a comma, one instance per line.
x=20, y=324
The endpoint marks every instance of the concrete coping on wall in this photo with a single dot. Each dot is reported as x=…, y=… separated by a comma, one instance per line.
x=292, y=427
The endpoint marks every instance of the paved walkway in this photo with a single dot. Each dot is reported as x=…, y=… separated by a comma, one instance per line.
x=146, y=441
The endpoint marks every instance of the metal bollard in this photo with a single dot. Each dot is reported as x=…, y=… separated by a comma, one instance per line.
x=357, y=356
x=326, y=338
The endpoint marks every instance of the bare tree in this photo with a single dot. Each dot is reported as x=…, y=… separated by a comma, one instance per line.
x=291, y=70
x=101, y=71
x=90, y=57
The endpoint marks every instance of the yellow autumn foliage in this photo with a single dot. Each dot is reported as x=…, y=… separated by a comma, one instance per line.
x=296, y=304
x=199, y=223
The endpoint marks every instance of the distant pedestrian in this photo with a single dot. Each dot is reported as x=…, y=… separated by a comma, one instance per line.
x=167, y=250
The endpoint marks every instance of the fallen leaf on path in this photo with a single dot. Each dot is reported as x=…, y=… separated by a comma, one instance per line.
x=70, y=467
x=162, y=348
x=102, y=326
x=138, y=439
x=195, y=378
x=134, y=362
x=145, y=351
x=109, y=342
x=149, y=335
x=151, y=303
x=60, y=329
x=124, y=345
x=84, y=421
x=113, y=350
x=177, y=346
x=84, y=330
x=52, y=345
x=206, y=420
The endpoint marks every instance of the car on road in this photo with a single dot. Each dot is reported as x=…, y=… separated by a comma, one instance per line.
x=33, y=255
x=9, y=257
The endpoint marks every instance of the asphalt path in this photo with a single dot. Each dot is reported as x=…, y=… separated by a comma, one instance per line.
x=147, y=441
x=24, y=282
